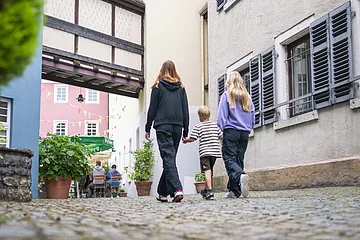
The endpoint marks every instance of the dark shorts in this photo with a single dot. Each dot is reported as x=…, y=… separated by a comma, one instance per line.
x=207, y=163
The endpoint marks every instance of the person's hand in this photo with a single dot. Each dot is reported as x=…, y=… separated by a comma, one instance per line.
x=184, y=140
x=147, y=136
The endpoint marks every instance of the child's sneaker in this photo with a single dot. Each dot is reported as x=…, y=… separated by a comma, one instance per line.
x=209, y=195
x=244, y=185
x=203, y=193
x=162, y=198
x=178, y=196
x=230, y=195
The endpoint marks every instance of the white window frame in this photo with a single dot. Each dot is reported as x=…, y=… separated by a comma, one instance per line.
x=60, y=121
x=86, y=127
x=56, y=86
x=7, y=123
x=97, y=97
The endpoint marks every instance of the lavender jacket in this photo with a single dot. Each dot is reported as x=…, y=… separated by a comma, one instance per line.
x=235, y=118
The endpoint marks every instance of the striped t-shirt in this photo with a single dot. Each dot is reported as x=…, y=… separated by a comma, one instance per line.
x=208, y=134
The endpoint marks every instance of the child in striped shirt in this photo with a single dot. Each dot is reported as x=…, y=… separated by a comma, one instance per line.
x=209, y=135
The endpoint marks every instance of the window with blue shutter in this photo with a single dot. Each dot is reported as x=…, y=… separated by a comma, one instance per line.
x=268, y=86
x=331, y=57
x=255, y=88
x=221, y=86
x=220, y=4
x=340, y=53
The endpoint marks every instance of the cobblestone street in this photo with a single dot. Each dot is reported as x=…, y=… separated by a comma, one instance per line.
x=324, y=213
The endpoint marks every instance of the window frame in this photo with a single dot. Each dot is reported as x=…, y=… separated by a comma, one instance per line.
x=91, y=122
x=7, y=124
x=56, y=86
x=289, y=47
x=87, y=97
x=55, y=122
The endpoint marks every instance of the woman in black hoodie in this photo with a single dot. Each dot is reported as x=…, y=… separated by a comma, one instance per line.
x=170, y=113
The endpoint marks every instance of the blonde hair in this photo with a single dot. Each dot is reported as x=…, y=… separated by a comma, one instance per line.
x=237, y=91
x=168, y=72
x=204, y=113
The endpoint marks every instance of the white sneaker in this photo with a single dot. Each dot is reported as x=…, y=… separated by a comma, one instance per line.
x=244, y=185
x=230, y=195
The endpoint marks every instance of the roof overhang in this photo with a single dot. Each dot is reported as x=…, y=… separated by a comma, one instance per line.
x=77, y=70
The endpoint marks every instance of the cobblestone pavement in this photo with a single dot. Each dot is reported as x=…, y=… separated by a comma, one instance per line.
x=323, y=213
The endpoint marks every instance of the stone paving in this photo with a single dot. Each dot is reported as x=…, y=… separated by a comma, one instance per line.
x=322, y=213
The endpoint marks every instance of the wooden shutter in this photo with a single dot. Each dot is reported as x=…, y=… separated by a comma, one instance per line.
x=320, y=61
x=255, y=87
x=221, y=86
x=340, y=53
x=268, y=85
x=220, y=4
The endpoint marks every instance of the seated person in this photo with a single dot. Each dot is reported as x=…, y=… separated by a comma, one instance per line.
x=113, y=183
x=98, y=170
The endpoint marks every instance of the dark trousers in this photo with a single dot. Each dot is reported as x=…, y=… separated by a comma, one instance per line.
x=233, y=150
x=168, y=138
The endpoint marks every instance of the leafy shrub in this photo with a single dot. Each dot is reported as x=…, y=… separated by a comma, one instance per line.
x=19, y=32
x=199, y=177
x=60, y=157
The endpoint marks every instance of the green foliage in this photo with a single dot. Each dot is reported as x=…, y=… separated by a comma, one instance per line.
x=19, y=31
x=2, y=128
x=107, y=168
x=199, y=177
x=122, y=189
x=144, y=163
x=58, y=156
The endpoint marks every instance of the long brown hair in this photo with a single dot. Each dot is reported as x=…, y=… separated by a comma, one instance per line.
x=168, y=72
x=237, y=91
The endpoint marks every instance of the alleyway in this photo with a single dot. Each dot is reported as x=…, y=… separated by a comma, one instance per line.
x=325, y=213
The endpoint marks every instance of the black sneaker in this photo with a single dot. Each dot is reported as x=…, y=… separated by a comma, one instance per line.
x=209, y=195
x=162, y=198
x=203, y=193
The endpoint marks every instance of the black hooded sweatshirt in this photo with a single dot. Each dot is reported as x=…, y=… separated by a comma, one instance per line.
x=168, y=105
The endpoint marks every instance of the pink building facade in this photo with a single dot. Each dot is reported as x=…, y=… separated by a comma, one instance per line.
x=61, y=113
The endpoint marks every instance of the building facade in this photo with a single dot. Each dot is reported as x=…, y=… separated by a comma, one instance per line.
x=168, y=35
x=301, y=64
x=62, y=113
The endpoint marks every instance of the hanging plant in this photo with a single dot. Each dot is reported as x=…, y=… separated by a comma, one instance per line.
x=19, y=33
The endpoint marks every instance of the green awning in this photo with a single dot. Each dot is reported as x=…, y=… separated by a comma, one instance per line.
x=95, y=143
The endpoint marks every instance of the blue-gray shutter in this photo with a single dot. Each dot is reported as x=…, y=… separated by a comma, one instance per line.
x=268, y=85
x=320, y=61
x=340, y=53
x=221, y=86
x=255, y=87
x=220, y=4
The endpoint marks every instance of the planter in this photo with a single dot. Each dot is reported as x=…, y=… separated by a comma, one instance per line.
x=15, y=174
x=199, y=186
x=58, y=189
x=143, y=188
x=122, y=194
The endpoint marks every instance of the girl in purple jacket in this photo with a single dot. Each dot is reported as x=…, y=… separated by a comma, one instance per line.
x=236, y=118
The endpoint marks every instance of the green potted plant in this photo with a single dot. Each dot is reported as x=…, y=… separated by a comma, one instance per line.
x=199, y=181
x=61, y=160
x=122, y=192
x=143, y=168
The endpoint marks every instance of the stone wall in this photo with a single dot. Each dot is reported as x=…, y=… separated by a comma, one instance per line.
x=342, y=172
x=15, y=174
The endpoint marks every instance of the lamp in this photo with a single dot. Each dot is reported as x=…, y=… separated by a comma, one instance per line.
x=80, y=98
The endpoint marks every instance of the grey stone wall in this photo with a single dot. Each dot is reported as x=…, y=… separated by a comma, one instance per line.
x=15, y=174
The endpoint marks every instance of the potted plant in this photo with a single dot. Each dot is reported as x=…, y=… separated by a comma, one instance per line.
x=199, y=181
x=143, y=168
x=122, y=192
x=61, y=160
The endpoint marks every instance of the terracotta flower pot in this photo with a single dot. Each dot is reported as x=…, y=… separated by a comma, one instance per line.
x=143, y=188
x=199, y=186
x=58, y=189
x=122, y=194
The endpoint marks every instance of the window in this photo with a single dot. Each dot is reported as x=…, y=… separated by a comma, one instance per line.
x=221, y=86
x=220, y=4
x=299, y=70
x=92, y=128
x=61, y=94
x=5, y=106
x=245, y=74
x=92, y=96
x=60, y=128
